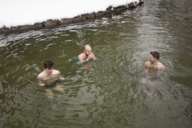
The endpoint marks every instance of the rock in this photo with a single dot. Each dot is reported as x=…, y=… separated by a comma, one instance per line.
x=5, y=30
x=99, y=14
x=83, y=18
x=109, y=8
x=1, y=31
x=13, y=29
x=66, y=21
x=132, y=5
x=120, y=8
x=141, y=2
x=109, y=12
x=25, y=27
x=50, y=23
x=76, y=20
x=37, y=26
x=91, y=15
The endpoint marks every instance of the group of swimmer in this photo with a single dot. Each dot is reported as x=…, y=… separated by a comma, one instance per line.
x=50, y=77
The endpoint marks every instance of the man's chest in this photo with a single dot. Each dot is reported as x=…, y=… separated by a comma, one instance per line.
x=50, y=77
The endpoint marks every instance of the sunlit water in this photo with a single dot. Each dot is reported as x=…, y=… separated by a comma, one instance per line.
x=109, y=94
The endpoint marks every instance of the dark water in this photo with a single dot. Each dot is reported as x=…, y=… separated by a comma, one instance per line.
x=109, y=94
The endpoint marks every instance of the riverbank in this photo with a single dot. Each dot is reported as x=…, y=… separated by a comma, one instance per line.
x=77, y=19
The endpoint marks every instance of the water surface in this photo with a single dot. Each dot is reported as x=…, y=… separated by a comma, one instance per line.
x=109, y=94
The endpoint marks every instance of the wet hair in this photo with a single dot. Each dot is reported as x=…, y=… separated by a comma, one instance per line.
x=48, y=64
x=155, y=54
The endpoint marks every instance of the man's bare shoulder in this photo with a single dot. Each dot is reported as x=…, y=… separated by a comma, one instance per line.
x=147, y=63
x=81, y=55
x=55, y=72
x=161, y=66
x=42, y=74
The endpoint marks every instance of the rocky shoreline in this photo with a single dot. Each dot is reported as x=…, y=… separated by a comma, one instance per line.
x=65, y=21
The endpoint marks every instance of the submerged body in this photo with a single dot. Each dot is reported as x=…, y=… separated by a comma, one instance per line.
x=87, y=55
x=153, y=69
x=45, y=79
x=49, y=79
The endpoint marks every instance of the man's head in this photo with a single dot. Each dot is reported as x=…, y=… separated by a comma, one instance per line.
x=48, y=66
x=87, y=49
x=154, y=56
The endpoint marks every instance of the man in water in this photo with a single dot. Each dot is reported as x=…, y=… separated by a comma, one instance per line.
x=86, y=55
x=153, y=65
x=153, y=68
x=49, y=79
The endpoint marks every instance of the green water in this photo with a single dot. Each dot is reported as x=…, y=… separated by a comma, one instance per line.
x=109, y=94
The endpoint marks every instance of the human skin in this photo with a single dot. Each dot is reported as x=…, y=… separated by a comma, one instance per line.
x=47, y=78
x=154, y=66
x=153, y=69
x=86, y=55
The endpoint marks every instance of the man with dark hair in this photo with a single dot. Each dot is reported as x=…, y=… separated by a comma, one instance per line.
x=49, y=78
x=152, y=69
x=48, y=64
x=155, y=55
x=153, y=65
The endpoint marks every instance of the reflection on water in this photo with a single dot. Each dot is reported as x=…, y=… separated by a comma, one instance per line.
x=109, y=93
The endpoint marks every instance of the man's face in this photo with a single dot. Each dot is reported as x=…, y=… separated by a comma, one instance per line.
x=49, y=71
x=87, y=52
x=152, y=59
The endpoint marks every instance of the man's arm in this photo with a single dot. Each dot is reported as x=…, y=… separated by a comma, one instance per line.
x=60, y=77
x=40, y=83
x=94, y=58
x=91, y=57
x=146, y=67
x=161, y=69
x=80, y=57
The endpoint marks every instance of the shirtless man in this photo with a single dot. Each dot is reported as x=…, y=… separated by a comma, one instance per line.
x=86, y=55
x=153, y=65
x=153, y=68
x=49, y=79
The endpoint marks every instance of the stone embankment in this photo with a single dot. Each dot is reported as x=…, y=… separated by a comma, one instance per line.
x=65, y=21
